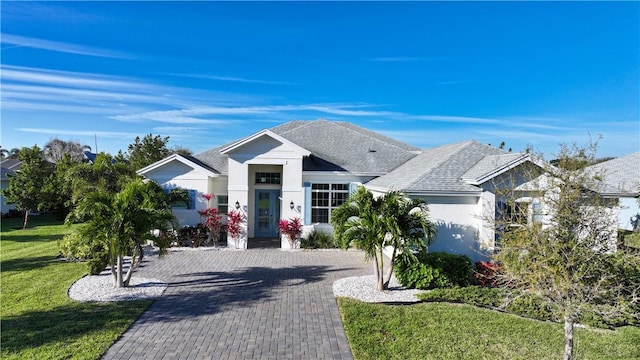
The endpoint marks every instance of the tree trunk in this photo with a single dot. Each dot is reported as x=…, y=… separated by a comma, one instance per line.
x=119, y=280
x=378, y=272
x=387, y=278
x=26, y=219
x=568, y=338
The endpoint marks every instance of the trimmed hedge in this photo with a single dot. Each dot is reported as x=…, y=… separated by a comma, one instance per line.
x=318, y=239
x=433, y=270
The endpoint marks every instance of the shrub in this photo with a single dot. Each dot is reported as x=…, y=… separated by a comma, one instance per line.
x=292, y=228
x=318, y=239
x=532, y=306
x=486, y=273
x=76, y=248
x=433, y=270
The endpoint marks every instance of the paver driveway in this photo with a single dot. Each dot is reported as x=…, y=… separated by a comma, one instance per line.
x=254, y=304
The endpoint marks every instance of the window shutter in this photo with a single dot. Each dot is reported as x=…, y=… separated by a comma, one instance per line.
x=192, y=199
x=353, y=186
x=307, y=203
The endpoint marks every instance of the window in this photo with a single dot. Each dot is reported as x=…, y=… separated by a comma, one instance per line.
x=223, y=204
x=180, y=198
x=326, y=197
x=267, y=178
x=513, y=212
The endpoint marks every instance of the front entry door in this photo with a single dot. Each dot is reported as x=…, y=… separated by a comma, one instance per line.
x=267, y=213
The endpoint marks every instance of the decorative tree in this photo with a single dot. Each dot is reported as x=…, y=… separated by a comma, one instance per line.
x=375, y=223
x=123, y=222
x=33, y=187
x=568, y=260
x=293, y=229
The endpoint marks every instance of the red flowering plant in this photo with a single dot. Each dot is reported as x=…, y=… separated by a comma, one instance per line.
x=211, y=222
x=486, y=273
x=292, y=228
x=234, y=224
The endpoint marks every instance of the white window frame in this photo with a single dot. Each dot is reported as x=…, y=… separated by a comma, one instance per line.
x=332, y=201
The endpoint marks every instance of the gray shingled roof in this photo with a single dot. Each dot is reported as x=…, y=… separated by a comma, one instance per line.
x=490, y=164
x=333, y=146
x=620, y=176
x=441, y=169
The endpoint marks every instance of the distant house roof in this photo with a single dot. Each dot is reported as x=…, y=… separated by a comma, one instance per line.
x=333, y=146
x=9, y=167
x=620, y=176
x=454, y=168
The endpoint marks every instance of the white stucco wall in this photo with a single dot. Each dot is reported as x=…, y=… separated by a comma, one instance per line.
x=268, y=155
x=628, y=207
x=178, y=175
x=458, y=221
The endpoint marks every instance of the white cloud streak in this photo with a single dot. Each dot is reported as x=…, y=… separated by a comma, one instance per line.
x=42, y=44
x=107, y=134
x=233, y=79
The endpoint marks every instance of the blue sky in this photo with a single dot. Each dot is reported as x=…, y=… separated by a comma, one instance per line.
x=427, y=73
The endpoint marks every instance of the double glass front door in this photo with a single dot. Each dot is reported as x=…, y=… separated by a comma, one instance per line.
x=267, y=213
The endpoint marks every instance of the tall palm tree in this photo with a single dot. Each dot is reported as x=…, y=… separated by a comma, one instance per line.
x=376, y=223
x=124, y=221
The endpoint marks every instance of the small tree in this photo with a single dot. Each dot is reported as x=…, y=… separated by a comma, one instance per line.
x=373, y=224
x=33, y=187
x=567, y=259
x=123, y=222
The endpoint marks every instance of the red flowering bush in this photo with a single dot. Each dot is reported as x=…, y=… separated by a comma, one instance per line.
x=486, y=273
x=212, y=221
x=292, y=228
x=234, y=224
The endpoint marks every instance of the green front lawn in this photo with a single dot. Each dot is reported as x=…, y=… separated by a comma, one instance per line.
x=454, y=331
x=38, y=320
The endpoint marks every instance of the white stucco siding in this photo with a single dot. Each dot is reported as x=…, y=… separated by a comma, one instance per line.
x=628, y=207
x=5, y=207
x=458, y=222
x=178, y=175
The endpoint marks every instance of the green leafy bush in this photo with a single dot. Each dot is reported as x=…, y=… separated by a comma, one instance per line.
x=318, y=239
x=433, y=270
x=532, y=306
x=76, y=248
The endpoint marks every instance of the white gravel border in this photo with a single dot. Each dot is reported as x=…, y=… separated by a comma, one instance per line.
x=363, y=288
x=100, y=288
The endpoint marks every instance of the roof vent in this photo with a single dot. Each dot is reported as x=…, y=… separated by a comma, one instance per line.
x=372, y=150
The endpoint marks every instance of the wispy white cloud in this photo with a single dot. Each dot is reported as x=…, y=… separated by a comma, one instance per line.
x=64, y=78
x=107, y=134
x=233, y=79
x=57, y=46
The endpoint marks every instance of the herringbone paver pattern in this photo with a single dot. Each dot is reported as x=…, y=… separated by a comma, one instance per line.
x=254, y=304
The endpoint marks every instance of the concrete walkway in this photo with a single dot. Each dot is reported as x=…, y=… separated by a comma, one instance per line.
x=253, y=304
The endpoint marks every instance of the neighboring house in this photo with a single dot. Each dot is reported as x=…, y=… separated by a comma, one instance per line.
x=7, y=167
x=620, y=179
x=307, y=168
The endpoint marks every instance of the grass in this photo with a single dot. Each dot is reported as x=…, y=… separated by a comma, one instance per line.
x=39, y=321
x=454, y=331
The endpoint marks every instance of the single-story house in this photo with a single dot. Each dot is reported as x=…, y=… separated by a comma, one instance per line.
x=306, y=169
x=7, y=167
x=620, y=179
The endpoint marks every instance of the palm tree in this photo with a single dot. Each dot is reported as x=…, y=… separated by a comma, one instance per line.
x=376, y=223
x=124, y=221
x=55, y=150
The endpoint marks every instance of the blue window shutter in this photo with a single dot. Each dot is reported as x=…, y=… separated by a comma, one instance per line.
x=307, y=203
x=353, y=187
x=192, y=199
